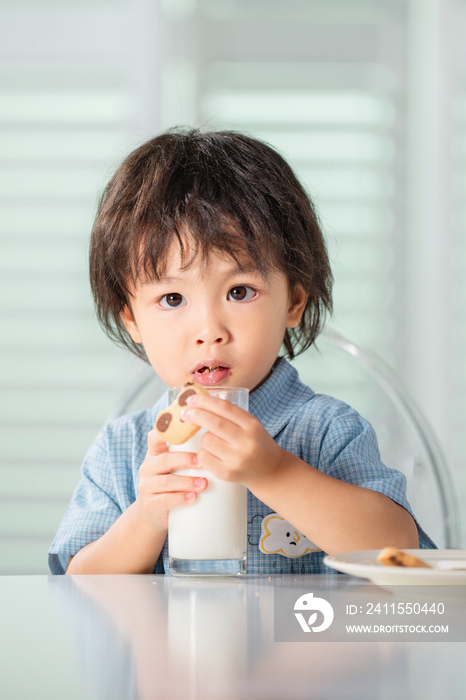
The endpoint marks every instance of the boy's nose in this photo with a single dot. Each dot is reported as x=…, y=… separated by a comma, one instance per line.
x=210, y=339
x=209, y=324
x=212, y=332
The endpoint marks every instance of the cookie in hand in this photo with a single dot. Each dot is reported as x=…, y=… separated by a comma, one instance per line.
x=169, y=423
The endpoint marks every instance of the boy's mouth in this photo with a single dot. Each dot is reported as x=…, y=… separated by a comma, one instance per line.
x=205, y=370
x=211, y=373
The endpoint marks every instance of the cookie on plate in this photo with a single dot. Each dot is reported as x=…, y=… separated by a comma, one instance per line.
x=393, y=557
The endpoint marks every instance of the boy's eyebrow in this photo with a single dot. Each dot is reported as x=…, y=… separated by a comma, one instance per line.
x=238, y=269
x=169, y=279
x=244, y=270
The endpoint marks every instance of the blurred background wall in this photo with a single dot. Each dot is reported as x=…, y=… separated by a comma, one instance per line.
x=365, y=98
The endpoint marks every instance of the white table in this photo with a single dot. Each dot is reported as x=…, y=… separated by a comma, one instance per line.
x=149, y=637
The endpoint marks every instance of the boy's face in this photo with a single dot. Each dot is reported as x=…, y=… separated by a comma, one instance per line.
x=212, y=324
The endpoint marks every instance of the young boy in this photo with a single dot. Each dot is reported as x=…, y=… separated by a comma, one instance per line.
x=206, y=259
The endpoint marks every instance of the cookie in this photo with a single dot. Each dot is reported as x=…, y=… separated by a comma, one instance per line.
x=169, y=424
x=393, y=557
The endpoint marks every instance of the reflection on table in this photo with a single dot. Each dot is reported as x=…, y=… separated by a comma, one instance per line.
x=148, y=637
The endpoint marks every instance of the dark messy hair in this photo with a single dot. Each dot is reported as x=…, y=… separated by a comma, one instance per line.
x=230, y=193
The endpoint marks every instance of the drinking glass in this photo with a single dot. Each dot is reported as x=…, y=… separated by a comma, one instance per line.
x=209, y=537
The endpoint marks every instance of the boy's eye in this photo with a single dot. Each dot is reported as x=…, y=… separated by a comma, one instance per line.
x=240, y=293
x=171, y=301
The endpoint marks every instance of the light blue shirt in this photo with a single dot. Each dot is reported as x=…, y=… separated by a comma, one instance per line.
x=323, y=431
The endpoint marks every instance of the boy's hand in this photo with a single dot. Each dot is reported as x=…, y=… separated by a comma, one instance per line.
x=159, y=488
x=236, y=447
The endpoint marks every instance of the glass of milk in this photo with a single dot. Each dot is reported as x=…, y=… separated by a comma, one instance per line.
x=209, y=537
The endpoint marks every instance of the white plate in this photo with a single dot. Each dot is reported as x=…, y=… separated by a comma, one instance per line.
x=448, y=567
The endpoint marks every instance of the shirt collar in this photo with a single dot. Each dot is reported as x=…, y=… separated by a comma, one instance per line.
x=279, y=397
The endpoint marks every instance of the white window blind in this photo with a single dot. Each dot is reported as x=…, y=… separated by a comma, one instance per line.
x=64, y=125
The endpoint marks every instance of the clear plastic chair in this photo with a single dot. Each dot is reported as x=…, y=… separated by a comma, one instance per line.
x=336, y=366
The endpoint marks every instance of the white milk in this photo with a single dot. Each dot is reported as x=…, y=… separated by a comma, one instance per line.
x=215, y=526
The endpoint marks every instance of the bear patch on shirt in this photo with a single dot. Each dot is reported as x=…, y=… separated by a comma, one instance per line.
x=279, y=537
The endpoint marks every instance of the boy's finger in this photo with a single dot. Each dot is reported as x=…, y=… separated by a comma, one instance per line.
x=212, y=422
x=220, y=407
x=173, y=483
x=167, y=501
x=165, y=463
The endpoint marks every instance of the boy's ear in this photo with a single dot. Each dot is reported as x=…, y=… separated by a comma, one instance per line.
x=296, y=309
x=130, y=324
